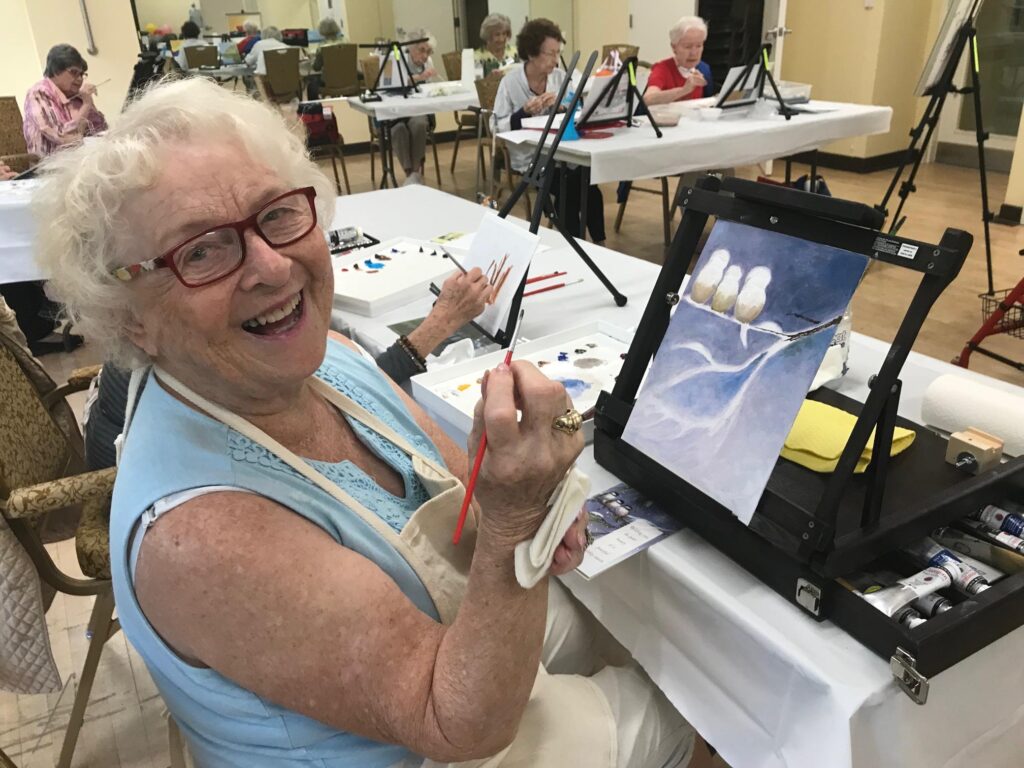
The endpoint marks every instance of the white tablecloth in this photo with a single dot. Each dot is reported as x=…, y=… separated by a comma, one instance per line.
x=764, y=683
x=17, y=232
x=695, y=145
x=397, y=107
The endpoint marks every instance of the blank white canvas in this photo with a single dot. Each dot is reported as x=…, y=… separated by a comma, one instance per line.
x=501, y=246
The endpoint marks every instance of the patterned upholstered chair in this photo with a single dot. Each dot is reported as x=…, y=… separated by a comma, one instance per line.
x=41, y=462
x=13, y=150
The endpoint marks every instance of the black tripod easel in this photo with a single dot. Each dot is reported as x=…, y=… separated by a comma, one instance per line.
x=539, y=176
x=760, y=63
x=396, y=54
x=966, y=39
x=633, y=99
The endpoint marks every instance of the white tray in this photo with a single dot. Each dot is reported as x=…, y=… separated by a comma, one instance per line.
x=405, y=277
x=437, y=391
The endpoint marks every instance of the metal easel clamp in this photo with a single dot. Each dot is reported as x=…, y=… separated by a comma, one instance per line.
x=904, y=669
x=808, y=596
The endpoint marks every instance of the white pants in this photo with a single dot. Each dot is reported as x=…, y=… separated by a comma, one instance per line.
x=650, y=733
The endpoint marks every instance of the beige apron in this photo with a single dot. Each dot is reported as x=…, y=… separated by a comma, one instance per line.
x=567, y=719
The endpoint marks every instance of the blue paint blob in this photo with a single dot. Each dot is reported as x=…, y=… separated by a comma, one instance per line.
x=373, y=264
x=574, y=387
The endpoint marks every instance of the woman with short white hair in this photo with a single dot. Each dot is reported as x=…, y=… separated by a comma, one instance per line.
x=497, y=50
x=684, y=75
x=280, y=532
x=409, y=135
x=271, y=39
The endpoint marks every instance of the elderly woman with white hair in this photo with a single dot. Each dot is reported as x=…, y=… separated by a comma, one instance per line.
x=409, y=135
x=280, y=531
x=683, y=75
x=252, y=36
x=497, y=50
x=270, y=39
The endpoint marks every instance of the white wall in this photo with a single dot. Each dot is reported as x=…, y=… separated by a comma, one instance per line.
x=517, y=10
x=22, y=64
x=172, y=13
x=560, y=12
x=650, y=21
x=434, y=16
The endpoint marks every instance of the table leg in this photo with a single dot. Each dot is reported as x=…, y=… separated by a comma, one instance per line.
x=479, y=153
x=387, y=158
x=584, y=193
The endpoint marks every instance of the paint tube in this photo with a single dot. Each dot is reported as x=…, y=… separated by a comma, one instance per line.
x=1000, y=520
x=981, y=547
x=928, y=606
x=927, y=552
x=982, y=531
x=890, y=599
x=990, y=573
x=895, y=600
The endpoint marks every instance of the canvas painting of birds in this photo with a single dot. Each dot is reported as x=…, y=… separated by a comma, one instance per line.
x=739, y=354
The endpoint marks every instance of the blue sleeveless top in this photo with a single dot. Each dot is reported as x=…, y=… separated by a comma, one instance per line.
x=171, y=448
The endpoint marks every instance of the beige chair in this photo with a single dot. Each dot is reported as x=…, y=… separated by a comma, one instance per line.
x=197, y=56
x=13, y=150
x=341, y=70
x=282, y=82
x=486, y=92
x=467, y=122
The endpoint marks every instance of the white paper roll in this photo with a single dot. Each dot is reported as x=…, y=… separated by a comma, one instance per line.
x=468, y=68
x=953, y=403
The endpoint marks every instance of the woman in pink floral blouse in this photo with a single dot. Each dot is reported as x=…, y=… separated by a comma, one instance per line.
x=59, y=109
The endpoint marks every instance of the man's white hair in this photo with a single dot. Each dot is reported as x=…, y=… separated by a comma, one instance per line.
x=82, y=199
x=684, y=25
x=251, y=28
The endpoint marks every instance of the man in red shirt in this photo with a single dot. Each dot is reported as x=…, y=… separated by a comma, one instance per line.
x=684, y=75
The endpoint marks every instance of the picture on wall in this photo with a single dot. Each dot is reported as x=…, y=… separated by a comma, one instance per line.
x=740, y=352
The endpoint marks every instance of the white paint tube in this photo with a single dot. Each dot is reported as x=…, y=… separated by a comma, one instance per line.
x=865, y=585
x=981, y=547
x=1000, y=520
x=889, y=600
x=928, y=553
x=989, y=572
x=929, y=606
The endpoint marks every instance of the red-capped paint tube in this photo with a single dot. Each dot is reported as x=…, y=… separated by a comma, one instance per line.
x=928, y=606
x=928, y=553
x=999, y=519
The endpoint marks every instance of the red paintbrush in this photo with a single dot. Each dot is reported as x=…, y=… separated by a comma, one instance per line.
x=544, y=277
x=471, y=484
x=550, y=288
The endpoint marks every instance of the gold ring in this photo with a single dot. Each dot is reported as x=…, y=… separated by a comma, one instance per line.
x=569, y=422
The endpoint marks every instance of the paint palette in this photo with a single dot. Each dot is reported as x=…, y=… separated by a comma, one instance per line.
x=372, y=281
x=585, y=359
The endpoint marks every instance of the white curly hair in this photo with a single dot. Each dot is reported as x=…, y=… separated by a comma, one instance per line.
x=85, y=190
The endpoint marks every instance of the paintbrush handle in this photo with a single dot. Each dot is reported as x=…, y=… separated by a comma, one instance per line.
x=545, y=289
x=470, y=487
x=538, y=278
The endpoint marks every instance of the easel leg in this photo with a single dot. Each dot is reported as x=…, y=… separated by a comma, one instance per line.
x=620, y=300
x=584, y=194
x=981, y=137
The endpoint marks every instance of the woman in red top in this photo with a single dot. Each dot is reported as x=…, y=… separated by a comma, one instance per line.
x=684, y=75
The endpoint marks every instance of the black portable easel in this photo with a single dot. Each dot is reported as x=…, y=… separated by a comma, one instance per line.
x=760, y=63
x=966, y=39
x=633, y=99
x=395, y=52
x=811, y=528
x=539, y=176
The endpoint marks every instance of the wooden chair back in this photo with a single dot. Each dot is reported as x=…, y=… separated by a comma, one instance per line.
x=202, y=56
x=283, y=81
x=487, y=90
x=341, y=69
x=12, y=137
x=453, y=64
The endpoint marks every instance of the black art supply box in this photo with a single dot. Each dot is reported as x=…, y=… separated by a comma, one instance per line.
x=811, y=528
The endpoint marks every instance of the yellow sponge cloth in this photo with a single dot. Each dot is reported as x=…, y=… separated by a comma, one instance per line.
x=819, y=435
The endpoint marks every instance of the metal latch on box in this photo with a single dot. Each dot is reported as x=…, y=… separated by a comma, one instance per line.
x=808, y=596
x=904, y=668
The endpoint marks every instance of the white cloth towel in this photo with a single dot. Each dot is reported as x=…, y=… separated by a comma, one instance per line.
x=533, y=557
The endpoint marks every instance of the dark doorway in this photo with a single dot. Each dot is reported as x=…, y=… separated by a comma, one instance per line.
x=734, y=33
x=476, y=12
